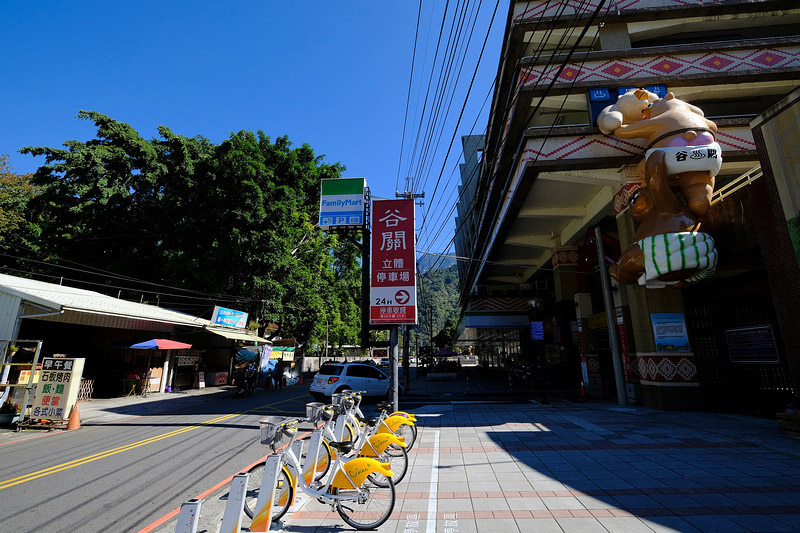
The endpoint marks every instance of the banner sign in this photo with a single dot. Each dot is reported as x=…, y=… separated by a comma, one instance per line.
x=229, y=317
x=341, y=202
x=57, y=388
x=393, y=288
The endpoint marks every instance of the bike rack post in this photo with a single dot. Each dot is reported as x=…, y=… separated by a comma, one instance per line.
x=312, y=456
x=262, y=514
x=232, y=518
x=188, y=516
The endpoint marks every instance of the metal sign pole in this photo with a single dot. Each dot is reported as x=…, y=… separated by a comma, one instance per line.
x=393, y=347
x=616, y=355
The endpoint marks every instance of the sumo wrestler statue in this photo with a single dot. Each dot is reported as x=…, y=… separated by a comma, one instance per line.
x=680, y=164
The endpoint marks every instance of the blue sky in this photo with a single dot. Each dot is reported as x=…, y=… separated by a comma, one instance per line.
x=334, y=75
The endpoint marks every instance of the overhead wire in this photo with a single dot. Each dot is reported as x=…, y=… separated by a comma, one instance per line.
x=465, y=219
x=408, y=96
x=445, y=90
x=554, y=77
x=509, y=102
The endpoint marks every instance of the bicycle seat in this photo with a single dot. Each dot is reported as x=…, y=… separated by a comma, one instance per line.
x=345, y=446
x=385, y=406
x=369, y=421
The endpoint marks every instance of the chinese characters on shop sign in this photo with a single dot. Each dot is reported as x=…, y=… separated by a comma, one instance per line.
x=393, y=292
x=57, y=388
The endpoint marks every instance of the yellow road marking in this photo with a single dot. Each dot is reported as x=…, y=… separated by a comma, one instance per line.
x=102, y=455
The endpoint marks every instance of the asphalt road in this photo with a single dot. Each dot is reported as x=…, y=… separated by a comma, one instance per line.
x=121, y=475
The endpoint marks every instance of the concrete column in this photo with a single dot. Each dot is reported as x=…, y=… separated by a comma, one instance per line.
x=668, y=379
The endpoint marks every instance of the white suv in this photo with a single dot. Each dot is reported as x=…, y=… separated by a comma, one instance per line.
x=357, y=376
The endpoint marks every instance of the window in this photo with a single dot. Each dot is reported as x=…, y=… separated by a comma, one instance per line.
x=359, y=371
x=330, y=370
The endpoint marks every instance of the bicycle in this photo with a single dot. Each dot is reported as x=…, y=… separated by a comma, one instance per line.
x=350, y=490
x=399, y=423
x=373, y=446
x=382, y=445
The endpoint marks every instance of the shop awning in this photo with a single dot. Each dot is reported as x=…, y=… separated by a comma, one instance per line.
x=282, y=352
x=237, y=335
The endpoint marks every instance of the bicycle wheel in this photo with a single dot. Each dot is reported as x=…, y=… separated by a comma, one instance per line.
x=399, y=467
x=284, y=492
x=368, y=507
x=323, y=462
x=409, y=434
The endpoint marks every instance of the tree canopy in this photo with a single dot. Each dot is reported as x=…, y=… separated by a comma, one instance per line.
x=16, y=190
x=230, y=224
x=438, y=308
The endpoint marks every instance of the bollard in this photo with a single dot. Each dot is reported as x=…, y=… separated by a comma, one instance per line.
x=262, y=514
x=188, y=516
x=232, y=518
x=312, y=457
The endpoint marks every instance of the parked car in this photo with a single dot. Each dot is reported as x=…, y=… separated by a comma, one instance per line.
x=357, y=376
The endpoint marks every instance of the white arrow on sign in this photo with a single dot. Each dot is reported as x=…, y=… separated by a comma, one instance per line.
x=402, y=296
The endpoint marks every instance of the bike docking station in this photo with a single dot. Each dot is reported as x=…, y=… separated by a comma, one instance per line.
x=189, y=516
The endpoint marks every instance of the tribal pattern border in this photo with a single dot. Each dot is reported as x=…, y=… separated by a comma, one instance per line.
x=674, y=368
x=737, y=139
x=626, y=70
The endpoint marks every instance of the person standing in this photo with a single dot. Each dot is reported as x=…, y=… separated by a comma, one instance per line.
x=278, y=374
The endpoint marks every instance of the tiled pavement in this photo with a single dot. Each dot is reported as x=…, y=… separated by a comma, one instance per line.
x=584, y=467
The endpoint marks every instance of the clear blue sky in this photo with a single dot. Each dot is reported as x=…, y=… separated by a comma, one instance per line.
x=334, y=75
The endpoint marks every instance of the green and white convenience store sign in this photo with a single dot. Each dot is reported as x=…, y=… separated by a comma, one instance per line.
x=342, y=202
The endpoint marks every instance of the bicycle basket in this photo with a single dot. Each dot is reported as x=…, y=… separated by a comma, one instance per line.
x=314, y=411
x=271, y=433
x=338, y=398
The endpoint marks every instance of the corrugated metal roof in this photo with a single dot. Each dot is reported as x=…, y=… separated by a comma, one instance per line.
x=61, y=297
x=240, y=335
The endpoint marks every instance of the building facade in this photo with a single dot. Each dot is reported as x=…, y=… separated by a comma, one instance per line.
x=548, y=178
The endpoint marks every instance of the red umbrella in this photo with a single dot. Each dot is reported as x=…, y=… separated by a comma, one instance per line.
x=161, y=344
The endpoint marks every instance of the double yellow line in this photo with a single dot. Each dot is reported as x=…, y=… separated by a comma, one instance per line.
x=102, y=455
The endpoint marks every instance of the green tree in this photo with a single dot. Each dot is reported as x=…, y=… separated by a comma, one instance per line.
x=236, y=219
x=16, y=190
x=438, y=307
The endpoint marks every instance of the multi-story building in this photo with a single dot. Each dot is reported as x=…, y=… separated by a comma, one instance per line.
x=549, y=177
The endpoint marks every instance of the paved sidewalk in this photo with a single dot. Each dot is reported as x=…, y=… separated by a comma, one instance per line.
x=587, y=467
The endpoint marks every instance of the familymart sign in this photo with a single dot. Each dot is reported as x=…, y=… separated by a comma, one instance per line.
x=342, y=202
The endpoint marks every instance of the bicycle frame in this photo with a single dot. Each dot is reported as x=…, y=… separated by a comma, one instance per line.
x=347, y=475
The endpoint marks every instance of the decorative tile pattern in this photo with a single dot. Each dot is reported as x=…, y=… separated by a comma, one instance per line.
x=626, y=71
x=678, y=368
x=565, y=256
x=735, y=139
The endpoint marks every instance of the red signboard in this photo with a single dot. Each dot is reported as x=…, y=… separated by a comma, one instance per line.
x=393, y=288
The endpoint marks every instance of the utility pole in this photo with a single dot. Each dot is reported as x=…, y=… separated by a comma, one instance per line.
x=407, y=194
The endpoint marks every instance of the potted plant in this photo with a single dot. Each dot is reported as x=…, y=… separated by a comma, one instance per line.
x=9, y=412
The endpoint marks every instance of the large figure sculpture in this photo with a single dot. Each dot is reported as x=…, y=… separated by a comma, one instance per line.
x=681, y=161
